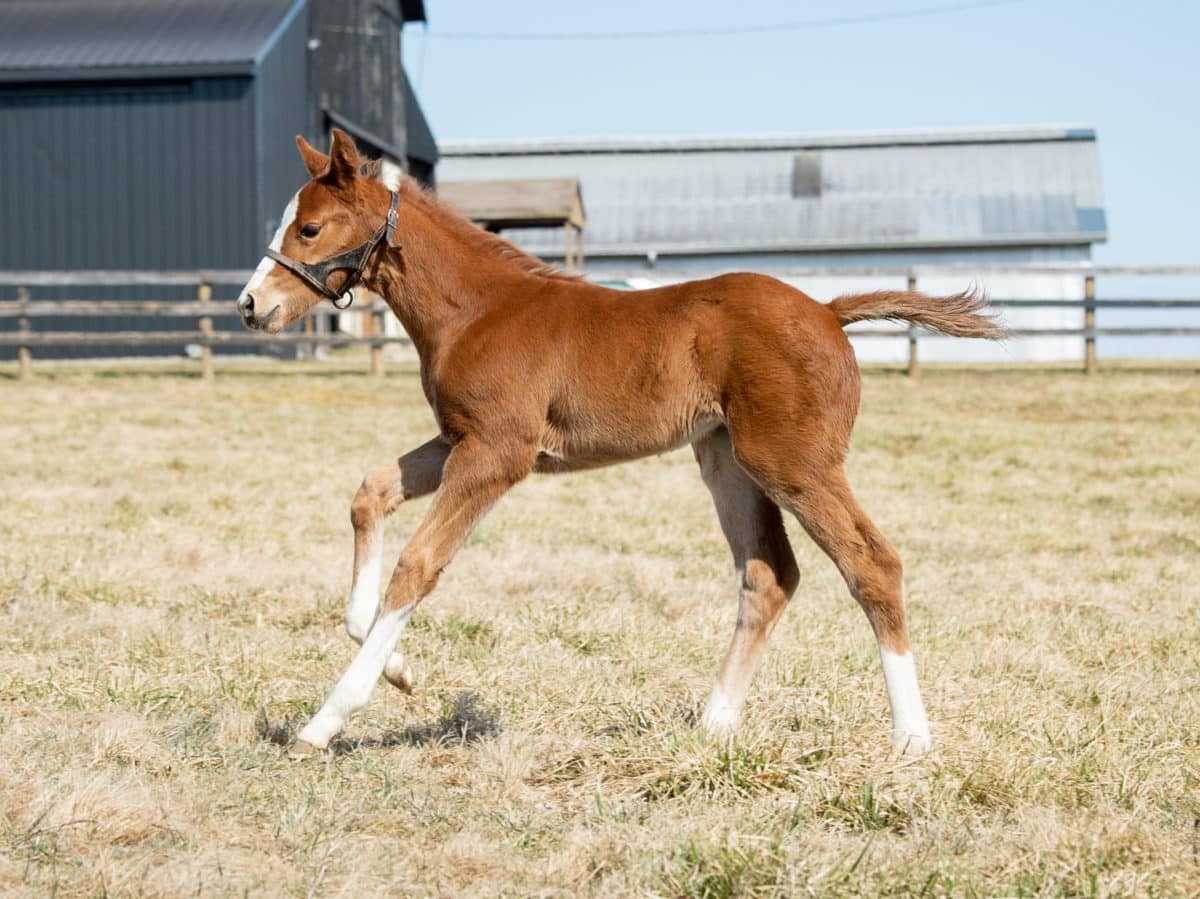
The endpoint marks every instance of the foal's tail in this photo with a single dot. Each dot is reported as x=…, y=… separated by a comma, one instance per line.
x=959, y=315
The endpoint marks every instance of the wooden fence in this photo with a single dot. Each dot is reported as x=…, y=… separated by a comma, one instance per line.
x=202, y=309
x=26, y=338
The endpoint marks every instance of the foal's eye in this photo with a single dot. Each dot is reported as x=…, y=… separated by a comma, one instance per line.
x=310, y=230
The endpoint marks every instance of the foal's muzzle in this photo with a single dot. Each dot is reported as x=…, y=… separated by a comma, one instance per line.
x=246, y=308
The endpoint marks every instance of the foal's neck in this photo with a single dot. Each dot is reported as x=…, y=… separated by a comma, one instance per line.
x=444, y=273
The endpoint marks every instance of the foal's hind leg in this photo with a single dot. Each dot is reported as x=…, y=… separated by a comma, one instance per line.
x=822, y=500
x=415, y=474
x=766, y=572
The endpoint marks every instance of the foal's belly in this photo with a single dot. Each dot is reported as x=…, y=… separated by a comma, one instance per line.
x=567, y=450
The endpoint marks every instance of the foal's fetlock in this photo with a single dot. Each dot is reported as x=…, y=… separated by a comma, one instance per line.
x=358, y=626
x=399, y=673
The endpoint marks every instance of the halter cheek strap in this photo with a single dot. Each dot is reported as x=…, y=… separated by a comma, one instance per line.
x=316, y=274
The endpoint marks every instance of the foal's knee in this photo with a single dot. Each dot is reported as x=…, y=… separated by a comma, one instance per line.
x=364, y=510
x=358, y=624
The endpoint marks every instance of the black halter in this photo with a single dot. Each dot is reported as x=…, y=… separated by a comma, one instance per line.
x=316, y=274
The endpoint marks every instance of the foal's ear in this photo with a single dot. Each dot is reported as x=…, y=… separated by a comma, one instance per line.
x=343, y=158
x=315, y=161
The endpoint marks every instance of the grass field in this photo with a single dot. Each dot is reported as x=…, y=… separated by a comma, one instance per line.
x=174, y=558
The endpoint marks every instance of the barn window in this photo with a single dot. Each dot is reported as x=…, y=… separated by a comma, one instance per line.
x=806, y=174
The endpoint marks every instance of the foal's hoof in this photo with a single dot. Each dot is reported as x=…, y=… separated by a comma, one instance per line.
x=302, y=749
x=401, y=677
x=911, y=745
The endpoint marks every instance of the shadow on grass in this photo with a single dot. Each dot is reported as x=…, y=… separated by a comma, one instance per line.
x=465, y=720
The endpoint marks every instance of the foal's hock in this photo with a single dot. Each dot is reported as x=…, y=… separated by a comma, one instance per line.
x=530, y=369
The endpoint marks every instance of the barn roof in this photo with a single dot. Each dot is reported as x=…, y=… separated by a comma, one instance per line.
x=966, y=187
x=66, y=40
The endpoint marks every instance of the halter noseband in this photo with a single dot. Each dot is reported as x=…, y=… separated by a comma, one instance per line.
x=316, y=274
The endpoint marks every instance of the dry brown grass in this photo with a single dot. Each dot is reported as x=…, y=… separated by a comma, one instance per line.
x=173, y=562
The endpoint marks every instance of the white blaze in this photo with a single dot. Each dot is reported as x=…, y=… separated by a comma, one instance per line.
x=264, y=267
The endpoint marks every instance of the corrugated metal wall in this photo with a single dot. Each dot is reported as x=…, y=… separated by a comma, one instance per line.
x=964, y=193
x=356, y=70
x=125, y=176
x=135, y=175
x=282, y=91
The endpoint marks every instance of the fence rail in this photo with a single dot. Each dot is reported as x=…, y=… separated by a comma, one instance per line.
x=202, y=310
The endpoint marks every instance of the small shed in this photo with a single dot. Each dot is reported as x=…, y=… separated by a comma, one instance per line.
x=534, y=203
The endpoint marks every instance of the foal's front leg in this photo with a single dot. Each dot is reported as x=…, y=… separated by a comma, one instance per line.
x=414, y=474
x=474, y=477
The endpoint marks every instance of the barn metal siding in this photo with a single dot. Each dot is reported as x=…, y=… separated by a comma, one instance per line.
x=705, y=264
x=125, y=177
x=356, y=72
x=775, y=194
x=281, y=90
x=132, y=175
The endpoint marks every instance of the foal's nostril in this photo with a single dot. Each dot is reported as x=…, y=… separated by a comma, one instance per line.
x=246, y=304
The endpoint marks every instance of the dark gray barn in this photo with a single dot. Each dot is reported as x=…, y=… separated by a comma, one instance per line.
x=359, y=84
x=139, y=134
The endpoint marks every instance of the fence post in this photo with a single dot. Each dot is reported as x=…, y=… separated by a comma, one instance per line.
x=914, y=367
x=1089, y=323
x=204, y=294
x=377, y=330
x=309, y=350
x=24, y=357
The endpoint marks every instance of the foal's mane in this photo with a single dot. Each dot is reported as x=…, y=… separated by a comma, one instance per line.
x=413, y=192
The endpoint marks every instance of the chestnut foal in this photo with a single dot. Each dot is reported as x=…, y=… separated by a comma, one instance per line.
x=529, y=369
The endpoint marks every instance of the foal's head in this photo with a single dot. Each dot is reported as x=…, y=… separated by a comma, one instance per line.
x=328, y=216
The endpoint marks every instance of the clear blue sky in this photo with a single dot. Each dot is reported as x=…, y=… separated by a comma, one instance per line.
x=1130, y=69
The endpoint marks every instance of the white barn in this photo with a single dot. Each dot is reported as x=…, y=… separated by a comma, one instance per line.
x=664, y=209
